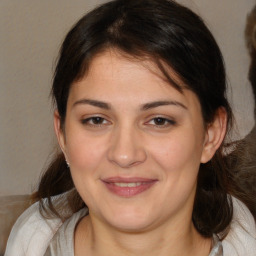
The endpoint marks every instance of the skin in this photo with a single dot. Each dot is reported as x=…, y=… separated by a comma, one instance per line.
x=124, y=120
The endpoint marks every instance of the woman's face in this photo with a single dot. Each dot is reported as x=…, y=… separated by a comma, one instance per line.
x=134, y=144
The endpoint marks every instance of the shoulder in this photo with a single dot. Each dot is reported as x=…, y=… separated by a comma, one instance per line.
x=31, y=233
x=63, y=241
x=241, y=238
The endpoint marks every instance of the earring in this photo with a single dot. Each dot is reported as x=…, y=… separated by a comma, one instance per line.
x=67, y=163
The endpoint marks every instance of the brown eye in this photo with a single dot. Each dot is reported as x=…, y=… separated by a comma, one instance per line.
x=161, y=122
x=95, y=120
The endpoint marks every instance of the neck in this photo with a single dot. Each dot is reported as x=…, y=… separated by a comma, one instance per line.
x=93, y=238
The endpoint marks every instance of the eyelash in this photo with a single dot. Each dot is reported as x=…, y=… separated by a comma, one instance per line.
x=98, y=121
x=164, y=122
x=94, y=121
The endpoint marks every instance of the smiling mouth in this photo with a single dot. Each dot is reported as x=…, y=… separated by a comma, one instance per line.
x=128, y=187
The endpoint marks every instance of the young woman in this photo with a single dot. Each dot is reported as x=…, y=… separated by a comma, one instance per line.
x=141, y=116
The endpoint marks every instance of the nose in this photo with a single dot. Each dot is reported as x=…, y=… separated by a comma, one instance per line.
x=126, y=148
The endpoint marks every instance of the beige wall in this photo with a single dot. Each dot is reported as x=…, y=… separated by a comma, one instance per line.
x=30, y=34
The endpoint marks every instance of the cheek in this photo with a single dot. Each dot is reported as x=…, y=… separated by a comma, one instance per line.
x=177, y=152
x=86, y=157
x=85, y=153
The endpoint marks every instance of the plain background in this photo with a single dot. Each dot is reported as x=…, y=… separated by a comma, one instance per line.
x=31, y=32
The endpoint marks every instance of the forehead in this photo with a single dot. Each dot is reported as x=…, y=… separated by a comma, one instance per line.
x=152, y=63
x=114, y=76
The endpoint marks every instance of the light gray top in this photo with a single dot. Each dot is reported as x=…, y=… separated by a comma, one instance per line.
x=33, y=235
x=63, y=241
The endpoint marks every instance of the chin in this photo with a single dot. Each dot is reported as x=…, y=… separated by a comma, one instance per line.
x=131, y=226
x=130, y=221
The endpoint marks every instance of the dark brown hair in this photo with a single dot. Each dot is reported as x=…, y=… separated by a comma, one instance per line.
x=167, y=33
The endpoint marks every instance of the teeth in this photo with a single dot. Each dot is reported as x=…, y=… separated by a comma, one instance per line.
x=130, y=185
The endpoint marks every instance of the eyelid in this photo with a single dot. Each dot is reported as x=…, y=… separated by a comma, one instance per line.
x=86, y=120
x=168, y=121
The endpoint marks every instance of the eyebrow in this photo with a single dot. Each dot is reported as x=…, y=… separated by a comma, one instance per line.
x=144, y=107
x=95, y=103
x=156, y=104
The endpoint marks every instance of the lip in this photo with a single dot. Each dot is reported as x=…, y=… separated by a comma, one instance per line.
x=128, y=186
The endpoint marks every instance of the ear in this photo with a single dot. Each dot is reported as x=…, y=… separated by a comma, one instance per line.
x=59, y=132
x=215, y=134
